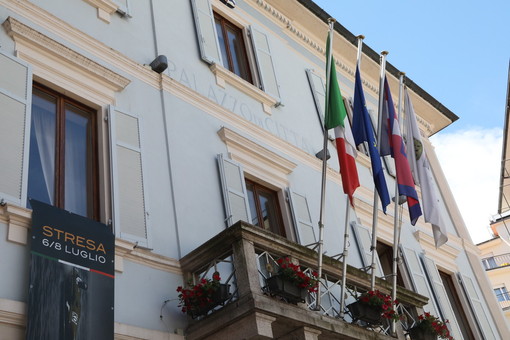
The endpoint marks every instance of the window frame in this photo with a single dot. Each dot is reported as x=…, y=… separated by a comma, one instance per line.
x=503, y=292
x=62, y=102
x=259, y=189
x=265, y=87
x=243, y=60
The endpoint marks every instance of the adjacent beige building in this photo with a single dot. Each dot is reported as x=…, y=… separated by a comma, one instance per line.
x=495, y=253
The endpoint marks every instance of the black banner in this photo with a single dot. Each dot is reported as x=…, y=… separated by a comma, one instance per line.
x=71, y=287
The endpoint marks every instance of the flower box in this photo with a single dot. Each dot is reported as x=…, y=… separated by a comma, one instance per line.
x=364, y=312
x=430, y=327
x=220, y=295
x=201, y=297
x=279, y=286
x=418, y=333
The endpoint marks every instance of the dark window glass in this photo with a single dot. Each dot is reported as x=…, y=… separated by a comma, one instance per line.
x=385, y=253
x=233, y=50
x=265, y=212
x=62, y=153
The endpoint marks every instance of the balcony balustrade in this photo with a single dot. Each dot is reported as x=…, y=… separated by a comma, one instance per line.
x=245, y=255
x=498, y=261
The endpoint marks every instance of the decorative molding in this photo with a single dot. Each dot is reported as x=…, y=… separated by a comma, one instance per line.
x=256, y=159
x=128, y=250
x=288, y=23
x=225, y=76
x=129, y=332
x=105, y=8
x=12, y=312
x=445, y=255
x=75, y=37
x=35, y=43
x=18, y=221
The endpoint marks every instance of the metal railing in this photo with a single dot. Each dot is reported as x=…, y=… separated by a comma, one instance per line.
x=496, y=261
x=504, y=300
x=245, y=256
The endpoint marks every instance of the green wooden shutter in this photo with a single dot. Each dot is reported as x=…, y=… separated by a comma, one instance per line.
x=15, y=110
x=301, y=217
x=234, y=191
x=130, y=211
x=206, y=31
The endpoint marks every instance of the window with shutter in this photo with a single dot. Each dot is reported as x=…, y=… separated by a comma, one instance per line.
x=222, y=42
x=261, y=205
x=63, y=153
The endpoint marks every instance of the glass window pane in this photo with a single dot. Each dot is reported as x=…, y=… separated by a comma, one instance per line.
x=78, y=162
x=221, y=42
x=269, y=214
x=41, y=172
x=251, y=202
x=238, y=54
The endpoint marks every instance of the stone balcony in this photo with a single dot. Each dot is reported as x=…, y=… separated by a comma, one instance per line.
x=241, y=254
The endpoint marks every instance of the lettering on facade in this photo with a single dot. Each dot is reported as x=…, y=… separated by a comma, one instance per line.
x=231, y=103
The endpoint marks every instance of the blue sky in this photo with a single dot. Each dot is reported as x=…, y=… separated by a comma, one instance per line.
x=458, y=52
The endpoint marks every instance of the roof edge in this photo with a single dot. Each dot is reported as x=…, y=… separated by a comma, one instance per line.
x=368, y=51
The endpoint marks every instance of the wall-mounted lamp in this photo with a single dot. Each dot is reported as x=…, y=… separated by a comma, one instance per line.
x=320, y=154
x=159, y=64
x=229, y=3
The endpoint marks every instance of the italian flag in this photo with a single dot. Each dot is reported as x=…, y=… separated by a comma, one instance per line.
x=336, y=119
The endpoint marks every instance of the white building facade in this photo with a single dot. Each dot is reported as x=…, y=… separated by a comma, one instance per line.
x=171, y=157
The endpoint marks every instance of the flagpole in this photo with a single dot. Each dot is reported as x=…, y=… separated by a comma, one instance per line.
x=345, y=252
x=331, y=22
x=396, y=224
x=376, y=199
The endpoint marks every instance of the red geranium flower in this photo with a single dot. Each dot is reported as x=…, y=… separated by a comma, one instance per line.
x=293, y=273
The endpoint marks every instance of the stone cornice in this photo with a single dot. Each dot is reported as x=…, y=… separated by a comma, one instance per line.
x=300, y=35
x=446, y=251
x=321, y=49
x=18, y=221
x=12, y=312
x=256, y=159
x=24, y=34
x=62, y=29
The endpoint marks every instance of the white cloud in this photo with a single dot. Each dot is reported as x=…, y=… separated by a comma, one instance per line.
x=471, y=162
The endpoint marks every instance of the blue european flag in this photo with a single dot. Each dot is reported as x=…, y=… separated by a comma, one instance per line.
x=364, y=132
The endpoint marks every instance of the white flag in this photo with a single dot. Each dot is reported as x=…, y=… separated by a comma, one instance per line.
x=423, y=175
